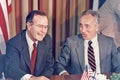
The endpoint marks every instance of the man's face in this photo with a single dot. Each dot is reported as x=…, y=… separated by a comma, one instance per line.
x=38, y=29
x=88, y=27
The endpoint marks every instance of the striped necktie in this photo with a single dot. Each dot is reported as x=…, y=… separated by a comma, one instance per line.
x=91, y=57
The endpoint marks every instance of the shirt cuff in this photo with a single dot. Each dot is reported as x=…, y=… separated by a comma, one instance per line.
x=26, y=77
x=62, y=72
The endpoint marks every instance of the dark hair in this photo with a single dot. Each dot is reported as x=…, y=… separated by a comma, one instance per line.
x=93, y=13
x=30, y=16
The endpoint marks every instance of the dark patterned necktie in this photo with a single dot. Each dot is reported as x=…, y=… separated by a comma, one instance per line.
x=33, y=58
x=91, y=57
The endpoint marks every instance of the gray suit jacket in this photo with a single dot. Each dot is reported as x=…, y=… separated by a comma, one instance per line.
x=18, y=58
x=72, y=56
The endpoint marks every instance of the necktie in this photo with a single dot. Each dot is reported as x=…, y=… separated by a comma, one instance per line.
x=91, y=57
x=33, y=58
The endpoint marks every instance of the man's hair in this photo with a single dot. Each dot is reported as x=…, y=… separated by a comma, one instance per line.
x=30, y=16
x=93, y=13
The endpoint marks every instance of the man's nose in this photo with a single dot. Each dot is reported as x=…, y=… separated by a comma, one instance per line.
x=83, y=29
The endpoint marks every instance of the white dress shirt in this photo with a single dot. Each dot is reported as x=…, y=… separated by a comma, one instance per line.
x=95, y=46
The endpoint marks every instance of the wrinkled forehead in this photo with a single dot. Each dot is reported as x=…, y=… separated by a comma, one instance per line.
x=38, y=19
x=87, y=18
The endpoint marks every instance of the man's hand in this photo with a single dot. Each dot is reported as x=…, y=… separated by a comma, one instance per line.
x=39, y=78
x=65, y=73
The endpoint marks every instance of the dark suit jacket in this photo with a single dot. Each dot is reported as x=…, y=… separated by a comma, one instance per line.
x=2, y=64
x=72, y=56
x=18, y=58
x=118, y=49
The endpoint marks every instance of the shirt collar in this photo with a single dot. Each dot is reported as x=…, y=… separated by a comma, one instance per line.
x=94, y=40
x=29, y=41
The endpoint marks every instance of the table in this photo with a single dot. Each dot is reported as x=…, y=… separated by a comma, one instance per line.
x=66, y=77
x=71, y=77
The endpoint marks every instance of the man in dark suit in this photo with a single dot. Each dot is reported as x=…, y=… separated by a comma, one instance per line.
x=19, y=50
x=74, y=53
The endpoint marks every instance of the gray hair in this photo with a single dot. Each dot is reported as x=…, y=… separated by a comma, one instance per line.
x=93, y=13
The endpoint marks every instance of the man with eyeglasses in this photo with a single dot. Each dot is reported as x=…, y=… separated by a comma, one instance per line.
x=25, y=61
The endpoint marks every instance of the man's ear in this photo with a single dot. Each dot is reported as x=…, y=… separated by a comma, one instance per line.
x=28, y=25
x=97, y=27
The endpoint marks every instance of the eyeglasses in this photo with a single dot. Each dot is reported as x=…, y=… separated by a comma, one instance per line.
x=40, y=26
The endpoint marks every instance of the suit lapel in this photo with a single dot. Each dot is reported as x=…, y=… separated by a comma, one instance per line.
x=80, y=53
x=102, y=53
x=26, y=55
x=40, y=55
